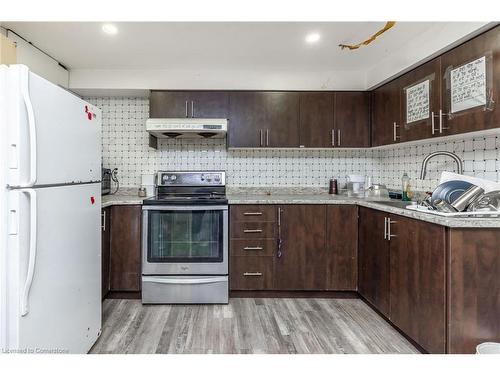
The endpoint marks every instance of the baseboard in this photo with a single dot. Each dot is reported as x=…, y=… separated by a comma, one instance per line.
x=123, y=295
x=415, y=344
x=291, y=294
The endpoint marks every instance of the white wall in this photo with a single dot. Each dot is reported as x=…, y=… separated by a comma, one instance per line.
x=39, y=63
x=432, y=43
x=215, y=80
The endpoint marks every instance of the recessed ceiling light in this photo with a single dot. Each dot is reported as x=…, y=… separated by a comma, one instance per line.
x=109, y=29
x=313, y=38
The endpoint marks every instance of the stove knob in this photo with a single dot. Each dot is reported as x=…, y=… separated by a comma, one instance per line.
x=173, y=177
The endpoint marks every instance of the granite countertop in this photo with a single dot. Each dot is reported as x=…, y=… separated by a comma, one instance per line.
x=324, y=198
x=121, y=199
x=309, y=195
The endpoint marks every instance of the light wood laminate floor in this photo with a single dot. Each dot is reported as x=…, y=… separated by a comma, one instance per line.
x=248, y=325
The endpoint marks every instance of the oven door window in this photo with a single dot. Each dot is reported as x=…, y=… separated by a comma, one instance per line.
x=185, y=236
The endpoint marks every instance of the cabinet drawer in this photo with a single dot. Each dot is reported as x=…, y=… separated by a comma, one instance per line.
x=251, y=273
x=249, y=230
x=253, y=213
x=257, y=247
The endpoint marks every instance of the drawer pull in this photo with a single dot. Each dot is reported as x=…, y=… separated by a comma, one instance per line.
x=252, y=213
x=252, y=274
x=252, y=230
x=253, y=248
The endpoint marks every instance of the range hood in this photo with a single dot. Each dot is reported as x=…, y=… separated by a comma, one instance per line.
x=175, y=128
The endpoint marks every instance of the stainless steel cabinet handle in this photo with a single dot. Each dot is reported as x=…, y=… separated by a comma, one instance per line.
x=253, y=248
x=385, y=228
x=252, y=230
x=396, y=136
x=389, y=222
x=103, y=221
x=192, y=108
x=432, y=123
x=441, y=128
x=333, y=137
x=338, y=137
x=252, y=213
x=260, y=137
x=252, y=274
x=267, y=137
x=186, y=108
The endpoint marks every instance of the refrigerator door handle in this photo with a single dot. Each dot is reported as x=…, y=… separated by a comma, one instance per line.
x=32, y=251
x=32, y=130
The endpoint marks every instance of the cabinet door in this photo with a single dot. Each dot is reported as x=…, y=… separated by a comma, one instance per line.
x=105, y=249
x=169, y=104
x=342, y=247
x=352, y=119
x=386, y=115
x=417, y=285
x=473, y=288
x=125, y=262
x=416, y=85
x=316, y=119
x=483, y=116
x=302, y=265
x=246, y=119
x=373, y=259
x=282, y=119
x=209, y=104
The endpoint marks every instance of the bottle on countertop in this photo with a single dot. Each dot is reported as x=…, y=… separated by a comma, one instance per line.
x=407, y=193
x=333, y=187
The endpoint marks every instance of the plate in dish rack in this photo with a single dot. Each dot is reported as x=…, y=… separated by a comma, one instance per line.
x=450, y=190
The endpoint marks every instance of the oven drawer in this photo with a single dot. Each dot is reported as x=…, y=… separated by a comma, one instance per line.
x=251, y=273
x=253, y=212
x=185, y=289
x=257, y=247
x=248, y=230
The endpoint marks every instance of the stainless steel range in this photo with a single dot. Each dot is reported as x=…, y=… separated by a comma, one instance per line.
x=185, y=239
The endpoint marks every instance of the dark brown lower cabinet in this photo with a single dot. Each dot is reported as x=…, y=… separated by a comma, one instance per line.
x=105, y=250
x=302, y=265
x=373, y=255
x=342, y=247
x=474, y=288
x=252, y=272
x=125, y=252
x=417, y=281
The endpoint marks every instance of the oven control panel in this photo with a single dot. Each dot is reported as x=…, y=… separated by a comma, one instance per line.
x=191, y=178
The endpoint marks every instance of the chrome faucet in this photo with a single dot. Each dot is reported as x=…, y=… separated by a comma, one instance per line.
x=452, y=155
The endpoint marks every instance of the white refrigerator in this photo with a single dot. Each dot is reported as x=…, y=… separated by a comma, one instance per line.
x=50, y=223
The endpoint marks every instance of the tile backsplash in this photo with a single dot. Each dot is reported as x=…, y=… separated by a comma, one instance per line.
x=125, y=146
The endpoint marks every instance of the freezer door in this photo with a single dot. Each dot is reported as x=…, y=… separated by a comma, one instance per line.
x=54, y=269
x=53, y=136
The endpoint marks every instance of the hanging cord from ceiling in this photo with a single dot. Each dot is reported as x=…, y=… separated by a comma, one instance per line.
x=7, y=30
x=388, y=25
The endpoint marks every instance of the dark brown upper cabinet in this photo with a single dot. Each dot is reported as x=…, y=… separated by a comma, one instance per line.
x=386, y=114
x=421, y=102
x=479, y=56
x=263, y=119
x=246, y=119
x=194, y=104
x=316, y=119
x=352, y=119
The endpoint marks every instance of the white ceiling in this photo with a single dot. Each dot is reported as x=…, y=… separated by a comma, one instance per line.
x=245, y=46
